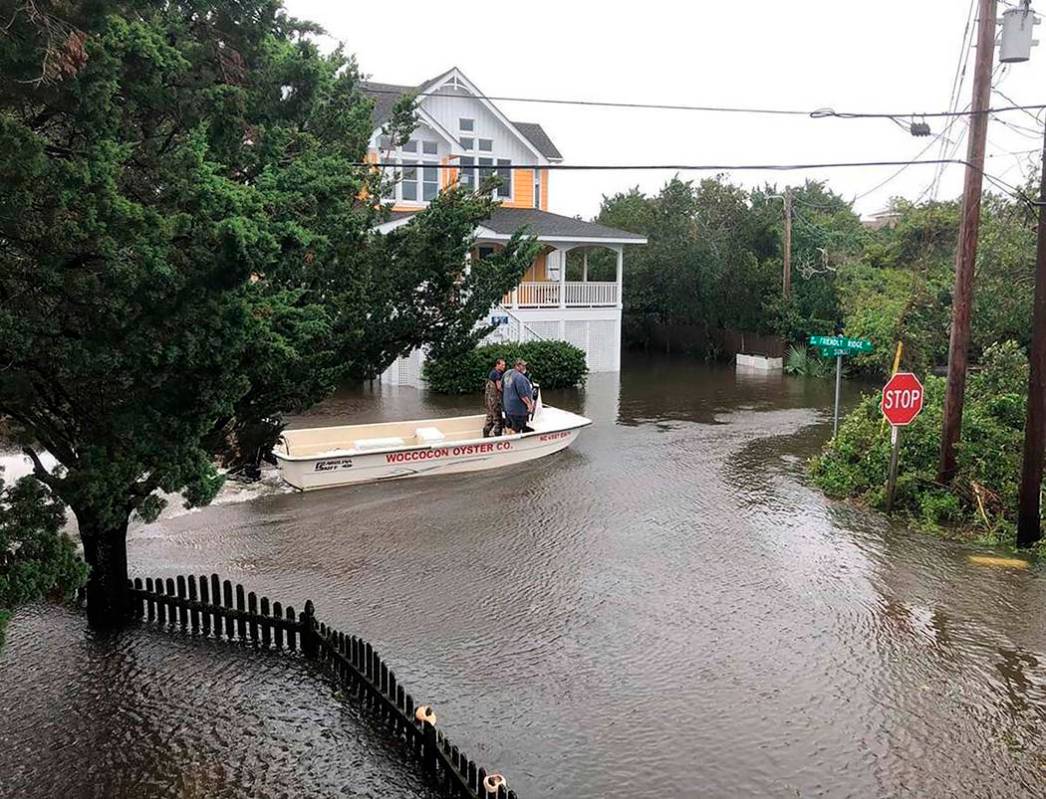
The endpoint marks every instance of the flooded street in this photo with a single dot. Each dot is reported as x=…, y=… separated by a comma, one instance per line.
x=665, y=609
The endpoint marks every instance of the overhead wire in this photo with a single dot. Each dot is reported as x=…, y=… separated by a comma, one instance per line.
x=681, y=167
x=958, y=79
x=891, y=177
x=817, y=113
x=1021, y=130
x=1005, y=97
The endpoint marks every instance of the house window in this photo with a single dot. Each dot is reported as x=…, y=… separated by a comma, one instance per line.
x=466, y=124
x=467, y=173
x=473, y=172
x=484, y=251
x=409, y=182
x=486, y=170
x=467, y=143
x=486, y=145
x=504, y=191
x=429, y=182
x=537, y=188
x=384, y=142
x=418, y=180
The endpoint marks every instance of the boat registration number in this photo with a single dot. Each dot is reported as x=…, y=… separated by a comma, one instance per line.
x=333, y=465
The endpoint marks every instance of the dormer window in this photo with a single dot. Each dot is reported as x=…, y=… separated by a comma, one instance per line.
x=466, y=124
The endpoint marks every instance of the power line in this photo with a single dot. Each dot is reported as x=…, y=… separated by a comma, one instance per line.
x=801, y=201
x=1003, y=95
x=882, y=183
x=818, y=113
x=1021, y=130
x=995, y=181
x=935, y=187
x=958, y=80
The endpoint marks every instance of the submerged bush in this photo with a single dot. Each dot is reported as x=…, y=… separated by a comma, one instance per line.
x=553, y=364
x=802, y=362
x=983, y=495
x=37, y=558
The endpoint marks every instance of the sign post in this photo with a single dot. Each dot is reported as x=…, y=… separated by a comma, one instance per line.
x=902, y=401
x=838, y=383
x=839, y=346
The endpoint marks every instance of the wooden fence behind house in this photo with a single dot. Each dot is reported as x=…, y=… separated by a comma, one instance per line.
x=699, y=339
x=213, y=607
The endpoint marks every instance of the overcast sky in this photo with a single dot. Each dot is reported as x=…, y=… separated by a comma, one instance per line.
x=887, y=55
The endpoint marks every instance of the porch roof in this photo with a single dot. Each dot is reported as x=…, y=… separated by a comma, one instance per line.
x=547, y=226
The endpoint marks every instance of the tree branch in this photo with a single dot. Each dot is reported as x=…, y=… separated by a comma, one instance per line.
x=39, y=470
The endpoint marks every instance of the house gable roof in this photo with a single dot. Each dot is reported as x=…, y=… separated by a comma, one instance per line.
x=385, y=96
x=537, y=136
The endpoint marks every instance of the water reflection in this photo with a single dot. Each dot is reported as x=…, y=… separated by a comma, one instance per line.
x=149, y=714
x=667, y=603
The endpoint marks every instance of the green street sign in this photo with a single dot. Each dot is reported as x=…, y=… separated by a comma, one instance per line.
x=834, y=352
x=848, y=346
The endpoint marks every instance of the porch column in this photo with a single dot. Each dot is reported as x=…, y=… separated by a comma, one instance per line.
x=620, y=273
x=562, y=278
x=584, y=265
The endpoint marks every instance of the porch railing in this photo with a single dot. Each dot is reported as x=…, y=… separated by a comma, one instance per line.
x=546, y=294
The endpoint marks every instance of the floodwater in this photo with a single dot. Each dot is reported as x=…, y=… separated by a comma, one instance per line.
x=665, y=609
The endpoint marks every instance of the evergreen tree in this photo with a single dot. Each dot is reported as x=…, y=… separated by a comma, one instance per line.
x=187, y=249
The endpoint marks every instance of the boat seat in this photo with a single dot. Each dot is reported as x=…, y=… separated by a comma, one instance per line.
x=379, y=443
x=429, y=435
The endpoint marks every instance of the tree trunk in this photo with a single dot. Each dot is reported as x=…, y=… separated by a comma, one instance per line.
x=105, y=550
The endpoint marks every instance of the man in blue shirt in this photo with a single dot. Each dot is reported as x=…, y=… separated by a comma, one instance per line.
x=492, y=399
x=518, y=397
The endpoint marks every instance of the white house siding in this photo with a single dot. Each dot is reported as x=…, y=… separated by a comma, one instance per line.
x=595, y=330
x=405, y=371
x=450, y=105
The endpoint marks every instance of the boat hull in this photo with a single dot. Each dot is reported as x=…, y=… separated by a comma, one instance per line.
x=331, y=471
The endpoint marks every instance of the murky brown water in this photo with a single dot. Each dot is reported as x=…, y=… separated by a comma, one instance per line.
x=663, y=609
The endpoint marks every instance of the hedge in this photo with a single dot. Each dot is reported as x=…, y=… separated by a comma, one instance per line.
x=981, y=500
x=553, y=364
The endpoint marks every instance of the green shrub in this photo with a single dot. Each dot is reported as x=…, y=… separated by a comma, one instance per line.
x=983, y=495
x=802, y=362
x=553, y=364
x=37, y=558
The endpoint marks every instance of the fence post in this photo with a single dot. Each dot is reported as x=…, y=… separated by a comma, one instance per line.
x=428, y=745
x=309, y=644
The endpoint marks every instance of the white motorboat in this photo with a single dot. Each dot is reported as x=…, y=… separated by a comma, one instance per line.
x=325, y=457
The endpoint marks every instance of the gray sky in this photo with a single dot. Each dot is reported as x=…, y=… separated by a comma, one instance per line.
x=888, y=55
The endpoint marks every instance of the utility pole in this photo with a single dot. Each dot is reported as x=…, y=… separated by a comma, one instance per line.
x=786, y=282
x=966, y=252
x=1029, y=530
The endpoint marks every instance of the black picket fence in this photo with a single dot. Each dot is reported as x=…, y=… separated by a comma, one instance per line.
x=212, y=607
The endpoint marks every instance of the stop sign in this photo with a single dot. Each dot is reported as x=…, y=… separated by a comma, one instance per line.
x=902, y=399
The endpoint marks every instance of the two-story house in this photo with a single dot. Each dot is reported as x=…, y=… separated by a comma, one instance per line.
x=470, y=138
